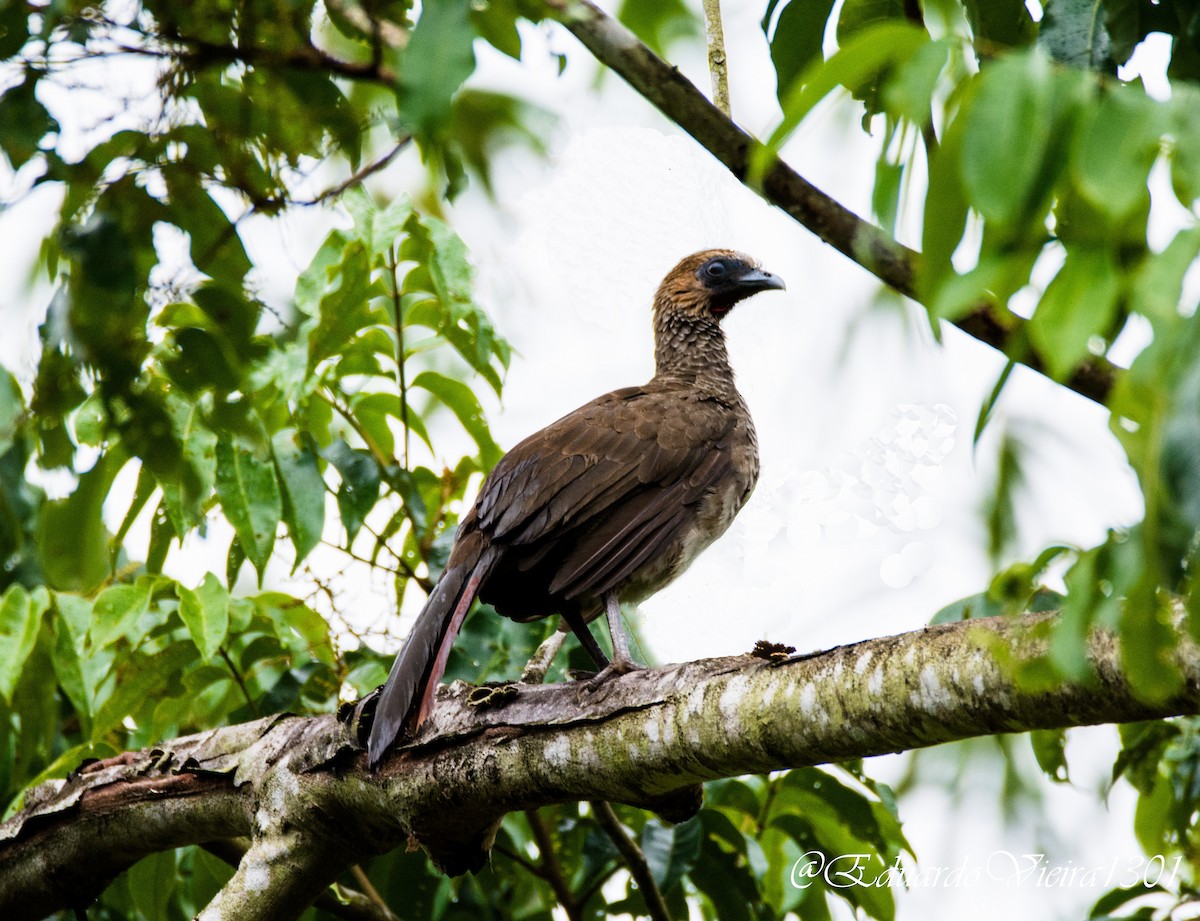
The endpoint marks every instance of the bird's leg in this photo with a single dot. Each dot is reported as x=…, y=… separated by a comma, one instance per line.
x=622, y=661
x=577, y=625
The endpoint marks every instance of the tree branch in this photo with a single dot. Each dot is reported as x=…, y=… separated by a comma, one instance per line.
x=718, y=65
x=865, y=243
x=300, y=787
x=551, y=870
x=346, y=903
x=633, y=858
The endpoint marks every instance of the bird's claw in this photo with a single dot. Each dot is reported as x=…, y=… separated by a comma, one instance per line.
x=612, y=670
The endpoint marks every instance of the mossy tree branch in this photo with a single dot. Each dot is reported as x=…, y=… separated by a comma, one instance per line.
x=300, y=790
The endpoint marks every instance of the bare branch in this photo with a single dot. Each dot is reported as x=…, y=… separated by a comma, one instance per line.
x=551, y=870
x=345, y=903
x=633, y=858
x=718, y=67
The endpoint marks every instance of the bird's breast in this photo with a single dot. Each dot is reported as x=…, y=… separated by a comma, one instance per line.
x=713, y=515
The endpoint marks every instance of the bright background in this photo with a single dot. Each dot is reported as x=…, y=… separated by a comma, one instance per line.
x=868, y=515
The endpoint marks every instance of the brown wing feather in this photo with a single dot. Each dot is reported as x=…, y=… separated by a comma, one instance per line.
x=587, y=500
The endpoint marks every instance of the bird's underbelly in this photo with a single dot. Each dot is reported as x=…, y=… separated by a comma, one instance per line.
x=713, y=516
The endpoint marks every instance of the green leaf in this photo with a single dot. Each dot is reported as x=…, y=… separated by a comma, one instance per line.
x=359, y=489
x=465, y=405
x=973, y=606
x=1081, y=302
x=1000, y=22
x=14, y=29
x=885, y=193
x=76, y=613
x=118, y=609
x=20, y=618
x=1049, y=747
x=216, y=247
x=313, y=281
x=1118, y=143
x=438, y=59
x=12, y=408
x=67, y=659
x=345, y=309
x=909, y=89
x=1183, y=112
x=72, y=538
x=670, y=850
x=796, y=40
x=303, y=491
x=23, y=121
x=1007, y=135
x=205, y=611
x=946, y=208
x=991, y=281
x=855, y=66
x=1158, y=281
x=857, y=15
x=183, y=500
x=659, y=24
x=1151, y=819
x=251, y=501
x=1148, y=660
x=1073, y=32
x=726, y=883
x=90, y=422
x=145, y=679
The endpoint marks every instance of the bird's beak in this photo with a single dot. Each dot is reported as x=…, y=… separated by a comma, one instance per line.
x=758, y=280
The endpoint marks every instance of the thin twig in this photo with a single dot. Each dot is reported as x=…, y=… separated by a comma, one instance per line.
x=634, y=859
x=552, y=869
x=350, y=182
x=368, y=888
x=237, y=677
x=718, y=67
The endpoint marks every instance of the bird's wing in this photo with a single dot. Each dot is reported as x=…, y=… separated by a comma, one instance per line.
x=607, y=485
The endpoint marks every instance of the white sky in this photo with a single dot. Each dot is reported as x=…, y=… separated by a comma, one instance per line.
x=867, y=517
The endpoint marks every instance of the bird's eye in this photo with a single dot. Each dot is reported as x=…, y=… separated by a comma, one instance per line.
x=716, y=269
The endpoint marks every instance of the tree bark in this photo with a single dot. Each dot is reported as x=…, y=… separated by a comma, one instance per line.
x=300, y=788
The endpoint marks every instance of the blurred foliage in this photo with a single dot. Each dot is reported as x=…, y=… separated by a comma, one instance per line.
x=168, y=405
x=1044, y=163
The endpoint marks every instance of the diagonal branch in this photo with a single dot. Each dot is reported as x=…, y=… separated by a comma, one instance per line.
x=633, y=859
x=867, y=244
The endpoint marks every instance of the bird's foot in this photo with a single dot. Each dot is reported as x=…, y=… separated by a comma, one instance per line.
x=612, y=670
x=487, y=696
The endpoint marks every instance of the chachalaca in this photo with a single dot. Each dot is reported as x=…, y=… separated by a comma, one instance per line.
x=608, y=504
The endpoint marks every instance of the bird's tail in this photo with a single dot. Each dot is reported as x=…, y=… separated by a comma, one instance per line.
x=407, y=697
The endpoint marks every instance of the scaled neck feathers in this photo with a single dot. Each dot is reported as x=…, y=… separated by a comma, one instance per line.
x=690, y=348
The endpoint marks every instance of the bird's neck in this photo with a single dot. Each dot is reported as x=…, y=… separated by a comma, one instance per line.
x=691, y=350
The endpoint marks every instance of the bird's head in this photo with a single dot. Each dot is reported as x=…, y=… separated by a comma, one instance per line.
x=710, y=282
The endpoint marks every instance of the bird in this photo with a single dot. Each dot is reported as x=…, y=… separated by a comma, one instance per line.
x=606, y=505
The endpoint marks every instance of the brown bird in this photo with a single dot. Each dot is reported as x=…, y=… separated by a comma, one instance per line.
x=608, y=504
